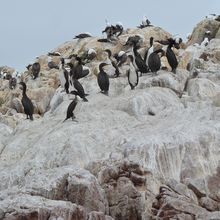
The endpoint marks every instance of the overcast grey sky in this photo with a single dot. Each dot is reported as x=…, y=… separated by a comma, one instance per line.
x=33, y=27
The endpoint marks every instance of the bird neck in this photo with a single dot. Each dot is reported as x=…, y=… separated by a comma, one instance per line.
x=24, y=90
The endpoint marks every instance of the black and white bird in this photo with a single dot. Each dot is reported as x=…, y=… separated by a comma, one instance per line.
x=64, y=76
x=139, y=61
x=149, y=51
x=121, y=58
x=118, y=30
x=133, y=77
x=26, y=102
x=113, y=62
x=145, y=23
x=103, y=79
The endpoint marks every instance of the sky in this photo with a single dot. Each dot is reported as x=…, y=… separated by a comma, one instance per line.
x=30, y=28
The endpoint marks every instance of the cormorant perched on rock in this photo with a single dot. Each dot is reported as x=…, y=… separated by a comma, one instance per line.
x=82, y=35
x=133, y=77
x=141, y=65
x=118, y=29
x=113, y=62
x=145, y=23
x=80, y=90
x=171, y=57
x=78, y=71
x=109, y=32
x=154, y=62
x=71, y=107
x=35, y=69
x=26, y=102
x=103, y=79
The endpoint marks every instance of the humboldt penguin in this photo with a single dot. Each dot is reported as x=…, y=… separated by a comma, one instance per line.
x=133, y=77
x=70, y=109
x=79, y=88
x=35, y=69
x=26, y=102
x=154, y=62
x=64, y=76
x=113, y=62
x=103, y=79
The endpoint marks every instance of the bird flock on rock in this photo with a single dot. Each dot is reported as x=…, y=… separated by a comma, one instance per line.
x=73, y=68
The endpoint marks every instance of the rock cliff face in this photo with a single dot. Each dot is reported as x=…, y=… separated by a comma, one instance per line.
x=148, y=153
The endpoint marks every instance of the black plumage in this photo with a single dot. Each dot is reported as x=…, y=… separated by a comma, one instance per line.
x=103, y=79
x=82, y=35
x=171, y=57
x=52, y=65
x=77, y=71
x=114, y=64
x=78, y=86
x=70, y=109
x=26, y=102
x=139, y=61
x=35, y=69
x=154, y=62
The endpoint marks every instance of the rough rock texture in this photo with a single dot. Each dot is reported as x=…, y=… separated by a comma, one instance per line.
x=199, y=31
x=148, y=153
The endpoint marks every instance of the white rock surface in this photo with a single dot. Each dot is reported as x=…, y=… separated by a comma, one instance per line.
x=122, y=150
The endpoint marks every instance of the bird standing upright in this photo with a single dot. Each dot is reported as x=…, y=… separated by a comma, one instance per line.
x=103, y=79
x=26, y=102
